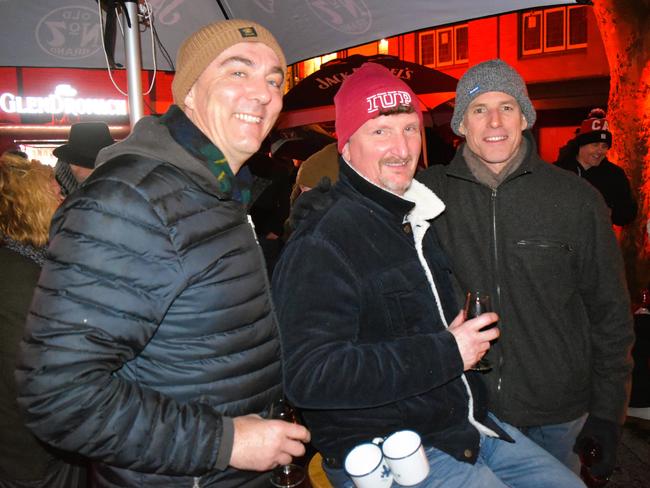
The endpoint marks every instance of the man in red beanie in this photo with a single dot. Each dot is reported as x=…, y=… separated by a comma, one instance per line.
x=152, y=345
x=372, y=338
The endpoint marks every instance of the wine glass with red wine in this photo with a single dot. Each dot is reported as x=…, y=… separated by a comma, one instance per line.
x=286, y=475
x=477, y=303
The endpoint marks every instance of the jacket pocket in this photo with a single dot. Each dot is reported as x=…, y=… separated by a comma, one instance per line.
x=546, y=268
x=544, y=244
x=405, y=300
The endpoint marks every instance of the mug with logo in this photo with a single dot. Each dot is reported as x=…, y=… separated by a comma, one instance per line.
x=366, y=465
x=404, y=453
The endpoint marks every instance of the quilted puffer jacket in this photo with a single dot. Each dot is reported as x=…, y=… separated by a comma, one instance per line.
x=152, y=324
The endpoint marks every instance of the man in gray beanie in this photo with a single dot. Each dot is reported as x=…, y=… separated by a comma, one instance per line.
x=152, y=346
x=540, y=242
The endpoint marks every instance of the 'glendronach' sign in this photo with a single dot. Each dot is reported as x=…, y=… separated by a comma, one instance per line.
x=62, y=101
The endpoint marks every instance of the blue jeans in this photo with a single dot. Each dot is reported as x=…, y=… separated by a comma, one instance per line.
x=500, y=464
x=558, y=439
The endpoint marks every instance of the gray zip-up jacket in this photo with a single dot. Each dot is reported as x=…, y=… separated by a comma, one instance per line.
x=543, y=245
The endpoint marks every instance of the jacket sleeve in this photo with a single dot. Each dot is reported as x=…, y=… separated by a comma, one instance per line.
x=325, y=365
x=112, y=273
x=604, y=293
x=623, y=204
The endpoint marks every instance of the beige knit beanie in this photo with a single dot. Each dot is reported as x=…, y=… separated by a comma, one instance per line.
x=202, y=47
x=320, y=164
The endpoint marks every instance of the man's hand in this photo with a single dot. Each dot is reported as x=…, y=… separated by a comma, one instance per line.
x=606, y=435
x=260, y=445
x=472, y=342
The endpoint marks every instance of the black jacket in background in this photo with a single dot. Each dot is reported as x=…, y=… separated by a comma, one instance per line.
x=25, y=462
x=612, y=183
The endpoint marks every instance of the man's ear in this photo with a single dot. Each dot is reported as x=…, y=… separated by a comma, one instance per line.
x=346, y=151
x=189, y=98
x=461, y=128
x=524, y=122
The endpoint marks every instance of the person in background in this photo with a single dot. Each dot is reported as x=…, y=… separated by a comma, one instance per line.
x=319, y=171
x=151, y=344
x=586, y=155
x=29, y=195
x=541, y=243
x=76, y=158
x=323, y=163
x=372, y=339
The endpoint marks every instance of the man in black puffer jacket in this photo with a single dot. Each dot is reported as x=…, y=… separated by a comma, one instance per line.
x=151, y=344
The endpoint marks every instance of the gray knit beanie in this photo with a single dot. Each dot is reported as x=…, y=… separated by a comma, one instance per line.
x=491, y=76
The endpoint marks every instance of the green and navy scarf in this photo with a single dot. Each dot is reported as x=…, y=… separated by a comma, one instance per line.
x=185, y=133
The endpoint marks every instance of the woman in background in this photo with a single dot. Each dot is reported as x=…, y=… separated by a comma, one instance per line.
x=29, y=195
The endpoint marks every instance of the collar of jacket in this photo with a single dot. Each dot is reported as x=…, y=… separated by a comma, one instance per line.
x=459, y=169
x=418, y=203
x=151, y=139
x=195, y=142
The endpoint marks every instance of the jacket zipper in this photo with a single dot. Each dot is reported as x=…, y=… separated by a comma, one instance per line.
x=496, y=275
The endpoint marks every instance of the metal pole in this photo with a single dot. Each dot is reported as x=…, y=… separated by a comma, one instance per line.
x=133, y=61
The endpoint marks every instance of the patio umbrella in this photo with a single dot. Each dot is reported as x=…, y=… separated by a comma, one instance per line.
x=300, y=143
x=53, y=33
x=312, y=99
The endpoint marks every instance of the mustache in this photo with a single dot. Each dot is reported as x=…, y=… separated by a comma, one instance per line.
x=394, y=160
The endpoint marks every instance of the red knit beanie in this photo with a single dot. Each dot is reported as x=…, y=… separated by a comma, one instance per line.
x=365, y=94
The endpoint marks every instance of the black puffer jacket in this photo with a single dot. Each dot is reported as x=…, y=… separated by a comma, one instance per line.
x=363, y=325
x=152, y=324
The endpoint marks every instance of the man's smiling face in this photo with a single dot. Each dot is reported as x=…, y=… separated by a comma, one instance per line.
x=237, y=99
x=492, y=126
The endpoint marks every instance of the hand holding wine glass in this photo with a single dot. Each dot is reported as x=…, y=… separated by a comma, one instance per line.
x=472, y=337
x=260, y=444
x=286, y=475
x=478, y=303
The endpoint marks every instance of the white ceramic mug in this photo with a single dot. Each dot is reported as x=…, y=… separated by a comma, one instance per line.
x=404, y=453
x=366, y=465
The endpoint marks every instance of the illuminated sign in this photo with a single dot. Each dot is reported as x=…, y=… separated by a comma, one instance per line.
x=62, y=101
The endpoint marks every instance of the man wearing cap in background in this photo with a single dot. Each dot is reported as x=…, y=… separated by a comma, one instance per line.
x=366, y=307
x=322, y=164
x=586, y=155
x=540, y=241
x=76, y=158
x=151, y=345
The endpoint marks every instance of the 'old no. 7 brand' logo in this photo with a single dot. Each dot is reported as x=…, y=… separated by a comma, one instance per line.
x=69, y=32
x=387, y=100
x=347, y=16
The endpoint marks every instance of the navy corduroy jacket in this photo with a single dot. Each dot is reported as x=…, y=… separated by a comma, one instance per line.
x=365, y=346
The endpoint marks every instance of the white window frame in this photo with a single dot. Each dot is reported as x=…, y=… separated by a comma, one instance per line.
x=568, y=28
x=561, y=47
x=540, y=19
x=458, y=60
